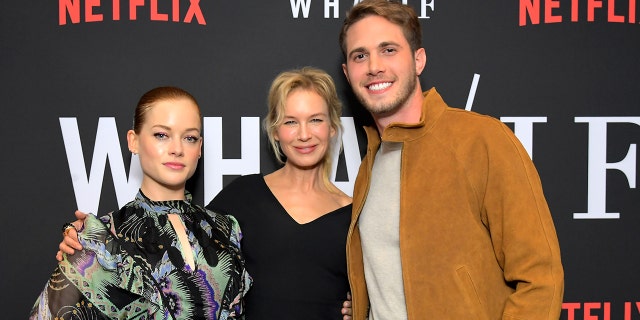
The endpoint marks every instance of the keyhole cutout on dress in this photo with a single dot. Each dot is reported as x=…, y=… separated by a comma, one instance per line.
x=185, y=246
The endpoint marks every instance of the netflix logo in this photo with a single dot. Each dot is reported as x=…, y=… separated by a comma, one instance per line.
x=78, y=11
x=549, y=11
x=600, y=310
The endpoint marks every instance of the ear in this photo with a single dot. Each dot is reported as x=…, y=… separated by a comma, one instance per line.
x=132, y=141
x=421, y=60
x=346, y=72
x=200, y=147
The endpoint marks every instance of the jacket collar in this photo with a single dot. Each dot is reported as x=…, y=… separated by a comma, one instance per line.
x=432, y=108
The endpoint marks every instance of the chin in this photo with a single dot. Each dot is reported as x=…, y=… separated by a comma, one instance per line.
x=304, y=164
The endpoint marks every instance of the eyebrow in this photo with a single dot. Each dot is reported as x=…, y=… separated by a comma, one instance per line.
x=359, y=49
x=169, y=129
x=310, y=116
x=388, y=43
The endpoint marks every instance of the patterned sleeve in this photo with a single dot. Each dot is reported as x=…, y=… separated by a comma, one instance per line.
x=236, y=233
x=59, y=297
x=235, y=309
x=76, y=287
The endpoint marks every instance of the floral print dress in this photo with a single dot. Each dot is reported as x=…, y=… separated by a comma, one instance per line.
x=132, y=267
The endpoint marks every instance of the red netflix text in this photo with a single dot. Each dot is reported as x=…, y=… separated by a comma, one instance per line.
x=600, y=310
x=617, y=11
x=73, y=10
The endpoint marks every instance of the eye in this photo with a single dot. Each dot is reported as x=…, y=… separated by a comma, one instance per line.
x=192, y=139
x=289, y=122
x=317, y=120
x=160, y=135
x=389, y=50
x=359, y=57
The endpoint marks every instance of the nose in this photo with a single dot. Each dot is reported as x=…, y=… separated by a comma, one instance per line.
x=176, y=148
x=303, y=132
x=375, y=65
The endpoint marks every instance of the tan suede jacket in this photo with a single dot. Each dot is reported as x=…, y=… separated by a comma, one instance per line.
x=477, y=240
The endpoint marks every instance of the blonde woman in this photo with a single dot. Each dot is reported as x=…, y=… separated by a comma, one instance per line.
x=295, y=220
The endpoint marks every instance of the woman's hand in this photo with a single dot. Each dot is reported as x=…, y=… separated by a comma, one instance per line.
x=70, y=243
x=346, y=308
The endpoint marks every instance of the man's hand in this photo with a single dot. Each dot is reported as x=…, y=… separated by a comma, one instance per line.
x=70, y=243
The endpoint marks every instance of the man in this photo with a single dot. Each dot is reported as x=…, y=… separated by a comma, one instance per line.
x=449, y=221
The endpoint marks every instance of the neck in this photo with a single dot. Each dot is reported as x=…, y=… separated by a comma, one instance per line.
x=300, y=178
x=409, y=113
x=162, y=193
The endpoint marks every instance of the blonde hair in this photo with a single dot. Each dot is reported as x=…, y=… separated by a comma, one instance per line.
x=310, y=79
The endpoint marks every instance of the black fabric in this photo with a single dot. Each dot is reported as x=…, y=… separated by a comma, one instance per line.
x=299, y=270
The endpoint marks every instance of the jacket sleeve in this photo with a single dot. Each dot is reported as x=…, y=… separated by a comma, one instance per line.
x=58, y=294
x=522, y=229
x=234, y=309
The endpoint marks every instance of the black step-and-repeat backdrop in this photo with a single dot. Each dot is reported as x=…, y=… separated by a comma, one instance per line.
x=563, y=74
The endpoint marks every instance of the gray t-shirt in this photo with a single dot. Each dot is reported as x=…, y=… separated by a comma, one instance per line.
x=379, y=226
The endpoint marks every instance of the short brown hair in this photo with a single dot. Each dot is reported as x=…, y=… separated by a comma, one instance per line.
x=392, y=10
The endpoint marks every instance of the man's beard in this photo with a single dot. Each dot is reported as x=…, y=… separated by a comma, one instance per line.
x=383, y=108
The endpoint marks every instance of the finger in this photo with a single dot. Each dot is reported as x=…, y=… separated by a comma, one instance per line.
x=71, y=240
x=65, y=248
x=59, y=255
x=78, y=224
x=80, y=215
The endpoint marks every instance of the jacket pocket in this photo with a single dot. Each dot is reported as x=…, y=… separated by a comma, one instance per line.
x=470, y=294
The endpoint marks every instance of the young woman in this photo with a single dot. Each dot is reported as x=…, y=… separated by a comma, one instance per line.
x=160, y=256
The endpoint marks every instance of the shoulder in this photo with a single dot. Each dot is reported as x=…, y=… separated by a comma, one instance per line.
x=481, y=141
x=218, y=219
x=228, y=223
x=342, y=198
x=438, y=113
x=126, y=213
x=466, y=117
x=237, y=189
x=242, y=182
x=473, y=136
x=471, y=125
